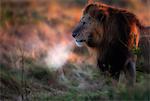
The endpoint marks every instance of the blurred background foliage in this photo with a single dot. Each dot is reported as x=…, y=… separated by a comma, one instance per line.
x=29, y=29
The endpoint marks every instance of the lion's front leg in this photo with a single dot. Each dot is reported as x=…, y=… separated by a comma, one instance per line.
x=130, y=71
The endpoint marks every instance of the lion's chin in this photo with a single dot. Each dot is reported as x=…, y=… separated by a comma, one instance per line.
x=79, y=44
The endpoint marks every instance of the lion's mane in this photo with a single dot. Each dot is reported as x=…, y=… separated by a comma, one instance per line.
x=121, y=32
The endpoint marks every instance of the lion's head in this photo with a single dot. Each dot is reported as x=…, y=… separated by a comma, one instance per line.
x=89, y=25
x=102, y=24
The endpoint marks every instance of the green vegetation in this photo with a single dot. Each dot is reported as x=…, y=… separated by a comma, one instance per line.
x=41, y=84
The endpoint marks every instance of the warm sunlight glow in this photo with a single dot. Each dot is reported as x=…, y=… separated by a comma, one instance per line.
x=58, y=55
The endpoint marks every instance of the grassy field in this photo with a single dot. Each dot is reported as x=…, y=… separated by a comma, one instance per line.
x=40, y=62
x=76, y=83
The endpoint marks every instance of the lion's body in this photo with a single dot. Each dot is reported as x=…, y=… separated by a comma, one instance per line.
x=112, y=33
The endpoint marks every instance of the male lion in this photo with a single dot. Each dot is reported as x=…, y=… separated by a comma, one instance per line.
x=113, y=33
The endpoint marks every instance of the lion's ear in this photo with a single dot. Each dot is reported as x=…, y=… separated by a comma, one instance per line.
x=89, y=8
x=98, y=14
x=94, y=11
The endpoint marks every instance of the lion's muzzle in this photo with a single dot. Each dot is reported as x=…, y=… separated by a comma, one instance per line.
x=79, y=42
x=76, y=31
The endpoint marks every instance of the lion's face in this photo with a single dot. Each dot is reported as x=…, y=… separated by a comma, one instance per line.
x=83, y=32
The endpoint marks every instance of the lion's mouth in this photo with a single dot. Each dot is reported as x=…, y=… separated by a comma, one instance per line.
x=80, y=43
x=80, y=40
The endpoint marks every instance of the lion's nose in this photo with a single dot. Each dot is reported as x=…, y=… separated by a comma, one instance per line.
x=74, y=34
x=76, y=31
